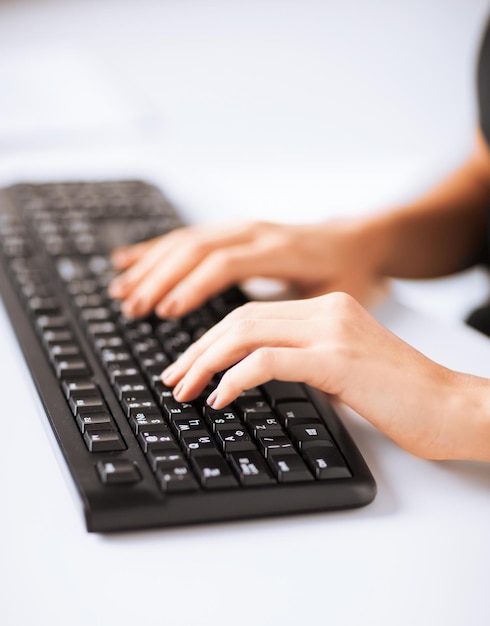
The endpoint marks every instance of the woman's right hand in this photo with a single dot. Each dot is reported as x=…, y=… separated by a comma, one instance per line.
x=179, y=271
x=332, y=343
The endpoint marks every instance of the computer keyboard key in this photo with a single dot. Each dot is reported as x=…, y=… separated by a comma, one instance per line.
x=292, y=413
x=103, y=440
x=86, y=400
x=55, y=337
x=221, y=419
x=326, y=462
x=95, y=421
x=43, y=305
x=135, y=401
x=170, y=455
x=111, y=341
x=213, y=471
x=250, y=468
x=248, y=407
x=70, y=386
x=156, y=440
x=131, y=385
x=148, y=421
x=71, y=367
x=176, y=478
x=309, y=435
x=233, y=439
x=261, y=425
x=270, y=443
x=197, y=443
x=278, y=391
x=52, y=322
x=183, y=424
x=288, y=466
x=176, y=345
x=174, y=409
x=62, y=350
x=119, y=472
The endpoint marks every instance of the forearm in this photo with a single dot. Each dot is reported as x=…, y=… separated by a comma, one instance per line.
x=439, y=233
x=464, y=418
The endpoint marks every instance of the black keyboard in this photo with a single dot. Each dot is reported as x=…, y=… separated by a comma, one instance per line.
x=139, y=458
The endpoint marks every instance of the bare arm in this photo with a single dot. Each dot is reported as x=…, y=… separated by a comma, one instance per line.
x=439, y=232
x=332, y=343
x=430, y=237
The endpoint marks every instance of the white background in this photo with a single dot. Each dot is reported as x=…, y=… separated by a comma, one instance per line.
x=285, y=110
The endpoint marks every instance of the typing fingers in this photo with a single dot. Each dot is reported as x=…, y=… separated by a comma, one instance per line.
x=240, y=318
x=236, y=344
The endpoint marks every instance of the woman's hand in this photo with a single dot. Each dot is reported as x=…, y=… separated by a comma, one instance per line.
x=177, y=272
x=332, y=343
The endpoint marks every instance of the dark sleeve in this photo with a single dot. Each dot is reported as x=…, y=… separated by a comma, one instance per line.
x=483, y=84
x=482, y=256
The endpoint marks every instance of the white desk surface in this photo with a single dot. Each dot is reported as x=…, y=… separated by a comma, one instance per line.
x=420, y=553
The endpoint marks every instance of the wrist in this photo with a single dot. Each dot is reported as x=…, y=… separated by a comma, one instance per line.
x=465, y=419
x=374, y=237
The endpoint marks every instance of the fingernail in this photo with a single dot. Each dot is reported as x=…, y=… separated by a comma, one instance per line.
x=178, y=389
x=115, y=288
x=166, y=308
x=118, y=258
x=166, y=375
x=211, y=400
x=127, y=310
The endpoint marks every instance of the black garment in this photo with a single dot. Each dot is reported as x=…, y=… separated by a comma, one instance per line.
x=483, y=83
x=480, y=319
